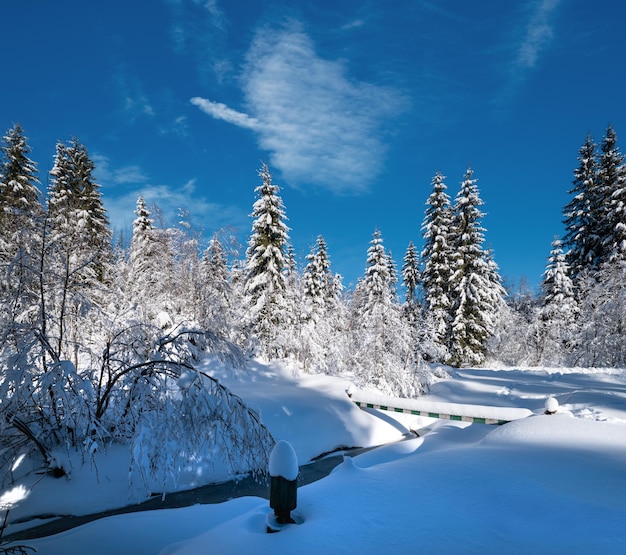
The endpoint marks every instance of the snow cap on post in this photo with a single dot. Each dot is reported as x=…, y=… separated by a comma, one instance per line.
x=552, y=405
x=283, y=461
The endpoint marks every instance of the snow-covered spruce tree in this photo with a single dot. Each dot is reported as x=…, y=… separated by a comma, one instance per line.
x=427, y=346
x=185, y=240
x=21, y=224
x=558, y=314
x=289, y=341
x=47, y=387
x=217, y=310
x=79, y=251
x=393, y=276
x=20, y=197
x=75, y=207
x=267, y=312
x=602, y=320
x=475, y=289
x=411, y=280
x=618, y=216
x=436, y=258
x=317, y=279
x=583, y=214
x=323, y=318
x=382, y=345
x=152, y=285
x=612, y=184
x=144, y=250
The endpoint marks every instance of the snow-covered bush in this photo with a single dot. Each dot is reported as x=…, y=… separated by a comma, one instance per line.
x=195, y=423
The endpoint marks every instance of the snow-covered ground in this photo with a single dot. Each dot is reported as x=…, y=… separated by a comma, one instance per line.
x=541, y=484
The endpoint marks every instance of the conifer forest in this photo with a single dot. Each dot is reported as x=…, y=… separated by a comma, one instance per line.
x=100, y=336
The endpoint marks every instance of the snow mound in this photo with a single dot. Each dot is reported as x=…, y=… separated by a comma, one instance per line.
x=561, y=431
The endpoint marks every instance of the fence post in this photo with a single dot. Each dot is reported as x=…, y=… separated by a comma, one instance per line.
x=284, y=483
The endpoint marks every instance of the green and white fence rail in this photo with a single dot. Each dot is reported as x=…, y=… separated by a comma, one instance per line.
x=478, y=414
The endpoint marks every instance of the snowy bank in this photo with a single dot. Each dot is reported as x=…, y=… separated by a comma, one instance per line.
x=541, y=484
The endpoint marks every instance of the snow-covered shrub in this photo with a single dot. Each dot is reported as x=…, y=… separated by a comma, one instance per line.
x=194, y=422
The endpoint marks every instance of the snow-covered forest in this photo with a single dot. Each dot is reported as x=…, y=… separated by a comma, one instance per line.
x=101, y=337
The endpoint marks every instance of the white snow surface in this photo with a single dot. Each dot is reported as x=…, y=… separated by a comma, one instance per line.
x=545, y=483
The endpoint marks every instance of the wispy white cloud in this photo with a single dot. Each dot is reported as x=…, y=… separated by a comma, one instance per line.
x=176, y=125
x=538, y=34
x=135, y=104
x=107, y=175
x=532, y=39
x=199, y=29
x=126, y=183
x=218, y=18
x=223, y=112
x=319, y=125
x=354, y=24
x=206, y=216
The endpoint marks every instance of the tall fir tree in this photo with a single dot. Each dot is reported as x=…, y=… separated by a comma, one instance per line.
x=556, y=286
x=143, y=248
x=20, y=197
x=265, y=284
x=473, y=283
x=79, y=253
x=612, y=185
x=322, y=313
x=411, y=276
x=427, y=345
x=318, y=281
x=583, y=215
x=382, y=344
x=217, y=301
x=601, y=323
x=559, y=310
x=393, y=276
x=21, y=225
x=76, y=210
x=378, y=280
x=436, y=257
x=187, y=284
x=151, y=284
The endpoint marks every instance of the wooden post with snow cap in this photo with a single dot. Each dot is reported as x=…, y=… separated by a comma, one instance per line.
x=283, y=485
x=552, y=406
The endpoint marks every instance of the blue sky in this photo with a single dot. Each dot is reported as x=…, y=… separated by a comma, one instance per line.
x=354, y=105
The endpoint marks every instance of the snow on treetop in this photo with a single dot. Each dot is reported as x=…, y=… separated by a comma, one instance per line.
x=283, y=461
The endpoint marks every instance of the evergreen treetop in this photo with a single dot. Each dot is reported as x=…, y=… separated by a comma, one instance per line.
x=612, y=184
x=474, y=284
x=437, y=252
x=265, y=284
x=75, y=206
x=581, y=214
x=411, y=274
x=20, y=197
